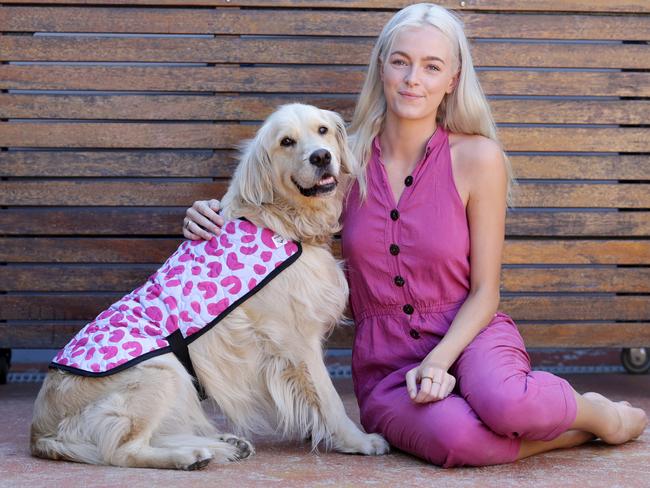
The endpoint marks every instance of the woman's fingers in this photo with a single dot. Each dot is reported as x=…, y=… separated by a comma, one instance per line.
x=186, y=233
x=210, y=209
x=436, y=387
x=435, y=384
x=425, y=390
x=199, y=224
x=202, y=219
x=193, y=231
x=452, y=385
x=214, y=205
x=411, y=386
x=447, y=386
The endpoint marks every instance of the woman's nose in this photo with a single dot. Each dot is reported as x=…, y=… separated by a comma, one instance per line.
x=411, y=77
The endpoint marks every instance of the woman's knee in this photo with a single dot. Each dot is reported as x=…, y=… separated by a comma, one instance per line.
x=523, y=408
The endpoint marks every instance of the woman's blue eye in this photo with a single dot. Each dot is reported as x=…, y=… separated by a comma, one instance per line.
x=433, y=67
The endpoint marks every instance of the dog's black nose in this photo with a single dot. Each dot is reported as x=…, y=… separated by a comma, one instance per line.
x=320, y=158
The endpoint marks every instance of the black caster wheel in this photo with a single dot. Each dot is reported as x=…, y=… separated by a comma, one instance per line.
x=636, y=360
x=5, y=364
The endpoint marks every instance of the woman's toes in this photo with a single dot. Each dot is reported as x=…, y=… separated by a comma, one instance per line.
x=632, y=424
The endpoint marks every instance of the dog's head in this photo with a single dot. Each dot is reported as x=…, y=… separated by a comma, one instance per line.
x=300, y=154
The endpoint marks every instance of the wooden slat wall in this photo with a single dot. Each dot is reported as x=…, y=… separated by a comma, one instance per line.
x=115, y=115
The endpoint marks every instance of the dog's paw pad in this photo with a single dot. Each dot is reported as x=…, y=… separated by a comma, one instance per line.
x=198, y=465
x=244, y=448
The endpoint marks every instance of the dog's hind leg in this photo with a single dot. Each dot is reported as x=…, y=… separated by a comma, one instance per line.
x=145, y=401
x=122, y=424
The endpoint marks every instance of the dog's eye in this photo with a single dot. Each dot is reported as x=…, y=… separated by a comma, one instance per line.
x=287, y=142
x=322, y=129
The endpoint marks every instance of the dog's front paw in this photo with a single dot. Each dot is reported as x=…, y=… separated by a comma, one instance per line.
x=191, y=459
x=375, y=445
x=368, y=444
x=244, y=448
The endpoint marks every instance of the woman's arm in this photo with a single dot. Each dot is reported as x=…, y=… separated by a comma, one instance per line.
x=481, y=169
x=201, y=219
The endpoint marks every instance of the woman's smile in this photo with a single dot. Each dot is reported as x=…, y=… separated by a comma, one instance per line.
x=410, y=95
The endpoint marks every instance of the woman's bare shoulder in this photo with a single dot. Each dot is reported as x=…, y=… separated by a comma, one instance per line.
x=475, y=157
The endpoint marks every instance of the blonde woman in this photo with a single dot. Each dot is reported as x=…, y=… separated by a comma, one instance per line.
x=437, y=369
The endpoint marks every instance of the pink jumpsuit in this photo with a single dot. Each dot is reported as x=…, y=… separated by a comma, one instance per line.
x=408, y=270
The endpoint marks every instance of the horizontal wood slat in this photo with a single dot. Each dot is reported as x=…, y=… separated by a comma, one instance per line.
x=583, y=279
x=349, y=51
x=124, y=278
x=307, y=22
x=610, y=167
x=156, y=250
x=79, y=306
x=149, y=250
x=100, y=221
x=221, y=164
x=154, y=164
x=564, y=224
x=582, y=195
x=205, y=135
x=255, y=108
x=88, y=250
x=156, y=221
x=571, y=139
x=136, y=193
x=576, y=252
x=49, y=334
x=574, y=334
x=38, y=335
x=628, y=6
x=102, y=193
x=338, y=79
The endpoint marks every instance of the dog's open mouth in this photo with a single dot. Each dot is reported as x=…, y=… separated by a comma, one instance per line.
x=326, y=184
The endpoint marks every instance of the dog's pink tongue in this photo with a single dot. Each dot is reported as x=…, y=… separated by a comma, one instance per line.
x=326, y=181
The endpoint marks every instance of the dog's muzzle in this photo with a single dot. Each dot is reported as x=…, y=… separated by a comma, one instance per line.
x=321, y=159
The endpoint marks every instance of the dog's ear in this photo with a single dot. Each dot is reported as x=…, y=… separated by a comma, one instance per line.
x=348, y=162
x=253, y=175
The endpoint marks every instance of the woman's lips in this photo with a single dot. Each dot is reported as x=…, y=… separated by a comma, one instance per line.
x=409, y=95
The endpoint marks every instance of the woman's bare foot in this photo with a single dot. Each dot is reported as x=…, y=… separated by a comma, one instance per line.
x=624, y=422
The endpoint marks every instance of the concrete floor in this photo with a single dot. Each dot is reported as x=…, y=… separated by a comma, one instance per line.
x=289, y=464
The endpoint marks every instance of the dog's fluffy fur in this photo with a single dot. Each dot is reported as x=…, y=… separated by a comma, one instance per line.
x=263, y=364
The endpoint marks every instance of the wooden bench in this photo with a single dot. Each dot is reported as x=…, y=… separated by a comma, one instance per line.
x=99, y=160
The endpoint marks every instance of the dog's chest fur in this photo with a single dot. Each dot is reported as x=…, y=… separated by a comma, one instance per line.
x=257, y=347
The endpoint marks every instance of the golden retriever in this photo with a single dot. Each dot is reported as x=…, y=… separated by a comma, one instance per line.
x=263, y=363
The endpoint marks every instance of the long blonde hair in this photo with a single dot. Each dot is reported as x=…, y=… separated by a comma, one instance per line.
x=465, y=110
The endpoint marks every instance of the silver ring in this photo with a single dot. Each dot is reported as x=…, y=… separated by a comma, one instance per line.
x=187, y=224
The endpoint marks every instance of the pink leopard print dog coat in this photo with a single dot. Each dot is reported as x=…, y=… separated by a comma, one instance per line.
x=198, y=286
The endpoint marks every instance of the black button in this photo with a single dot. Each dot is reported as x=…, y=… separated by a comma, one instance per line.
x=394, y=249
x=394, y=214
x=408, y=181
x=414, y=334
x=399, y=281
x=408, y=309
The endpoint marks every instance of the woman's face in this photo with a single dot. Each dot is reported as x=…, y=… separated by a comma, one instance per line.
x=419, y=71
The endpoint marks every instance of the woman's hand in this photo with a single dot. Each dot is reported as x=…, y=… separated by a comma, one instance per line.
x=435, y=382
x=201, y=219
